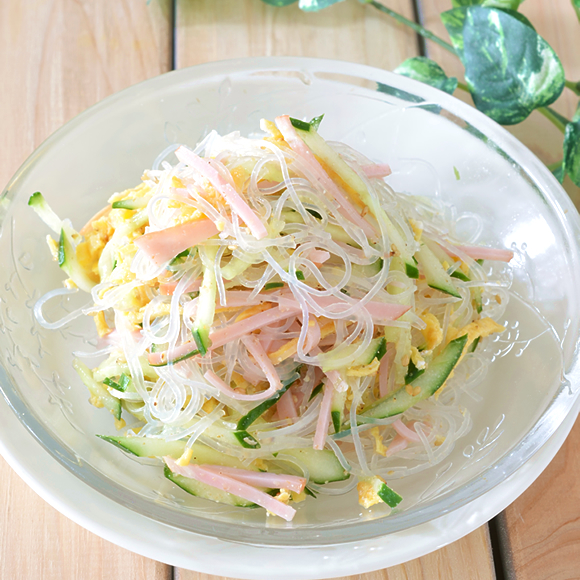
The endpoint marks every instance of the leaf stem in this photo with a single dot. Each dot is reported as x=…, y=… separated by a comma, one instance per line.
x=554, y=166
x=463, y=87
x=416, y=27
x=559, y=121
x=575, y=87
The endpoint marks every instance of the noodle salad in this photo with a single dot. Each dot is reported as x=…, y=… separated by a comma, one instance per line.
x=274, y=318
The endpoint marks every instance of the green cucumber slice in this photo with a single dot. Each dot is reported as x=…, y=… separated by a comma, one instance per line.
x=150, y=447
x=130, y=203
x=321, y=464
x=436, y=275
x=97, y=390
x=343, y=357
x=412, y=373
x=206, y=301
x=260, y=409
x=337, y=409
x=205, y=491
x=429, y=382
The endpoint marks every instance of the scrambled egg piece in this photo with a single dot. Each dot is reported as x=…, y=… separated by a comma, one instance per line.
x=417, y=358
x=210, y=405
x=298, y=497
x=364, y=370
x=134, y=193
x=260, y=464
x=284, y=496
x=53, y=247
x=477, y=329
x=432, y=332
x=102, y=326
x=254, y=310
x=89, y=250
x=269, y=127
x=368, y=491
x=417, y=228
x=378, y=441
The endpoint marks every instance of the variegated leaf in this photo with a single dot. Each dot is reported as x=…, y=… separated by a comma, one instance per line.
x=509, y=68
x=427, y=71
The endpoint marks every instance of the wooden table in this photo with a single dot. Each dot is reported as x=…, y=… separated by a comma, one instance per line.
x=58, y=57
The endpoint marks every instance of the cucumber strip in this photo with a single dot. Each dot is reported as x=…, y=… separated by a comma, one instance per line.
x=300, y=275
x=342, y=357
x=429, y=382
x=474, y=344
x=337, y=409
x=330, y=157
x=316, y=391
x=369, y=270
x=97, y=390
x=114, y=385
x=260, y=409
x=412, y=373
x=205, y=311
x=375, y=489
x=460, y=276
x=151, y=447
x=246, y=440
x=206, y=491
x=68, y=262
x=234, y=268
x=436, y=275
x=272, y=285
x=322, y=464
x=477, y=296
x=45, y=212
x=111, y=368
x=139, y=203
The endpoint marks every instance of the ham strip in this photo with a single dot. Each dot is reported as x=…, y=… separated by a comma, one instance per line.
x=261, y=479
x=378, y=310
x=254, y=347
x=323, y=417
x=405, y=431
x=232, y=197
x=233, y=486
x=163, y=245
x=481, y=253
x=385, y=370
x=303, y=151
x=285, y=406
x=168, y=288
x=376, y=170
x=228, y=333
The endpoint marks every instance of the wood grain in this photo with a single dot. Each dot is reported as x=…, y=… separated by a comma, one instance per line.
x=556, y=22
x=467, y=559
x=541, y=528
x=58, y=58
x=209, y=30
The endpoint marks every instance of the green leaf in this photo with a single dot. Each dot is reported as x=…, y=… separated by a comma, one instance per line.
x=509, y=68
x=316, y=5
x=279, y=2
x=576, y=5
x=510, y=4
x=571, y=164
x=421, y=68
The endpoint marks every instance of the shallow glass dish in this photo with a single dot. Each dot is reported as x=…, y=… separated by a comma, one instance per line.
x=479, y=167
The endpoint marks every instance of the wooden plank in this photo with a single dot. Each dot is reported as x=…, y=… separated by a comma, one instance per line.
x=209, y=30
x=541, y=529
x=58, y=58
x=462, y=560
x=557, y=23
x=36, y=542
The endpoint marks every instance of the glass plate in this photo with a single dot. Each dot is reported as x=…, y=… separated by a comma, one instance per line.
x=529, y=389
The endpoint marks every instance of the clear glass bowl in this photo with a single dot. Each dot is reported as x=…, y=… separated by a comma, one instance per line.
x=529, y=389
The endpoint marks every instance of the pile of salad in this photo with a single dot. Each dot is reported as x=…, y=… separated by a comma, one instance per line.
x=274, y=318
